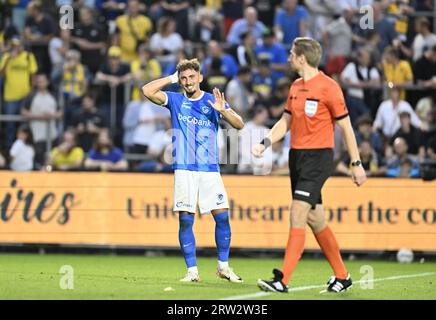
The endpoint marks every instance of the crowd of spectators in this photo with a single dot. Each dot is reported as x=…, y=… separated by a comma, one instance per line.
x=78, y=88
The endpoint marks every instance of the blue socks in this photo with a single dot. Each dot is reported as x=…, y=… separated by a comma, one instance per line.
x=222, y=238
x=187, y=239
x=222, y=235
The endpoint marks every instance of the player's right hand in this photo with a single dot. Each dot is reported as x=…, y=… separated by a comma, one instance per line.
x=257, y=150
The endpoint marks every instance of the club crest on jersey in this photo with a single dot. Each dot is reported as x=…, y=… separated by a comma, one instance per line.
x=205, y=109
x=310, y=107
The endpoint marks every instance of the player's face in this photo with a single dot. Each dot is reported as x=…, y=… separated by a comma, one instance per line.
x=294, y=61
x=190, y=81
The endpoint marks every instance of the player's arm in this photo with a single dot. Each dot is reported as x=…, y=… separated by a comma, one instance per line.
x=277, y=133
x=357, y=172
x=153, y=90
x=228, y=114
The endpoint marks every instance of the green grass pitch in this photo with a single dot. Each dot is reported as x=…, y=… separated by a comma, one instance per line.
x=32, y=276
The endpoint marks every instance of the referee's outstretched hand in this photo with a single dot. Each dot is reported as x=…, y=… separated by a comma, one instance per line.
x=358, y=175
x=257, y=150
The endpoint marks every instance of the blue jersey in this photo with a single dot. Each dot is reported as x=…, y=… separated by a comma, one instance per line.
x=195, y=127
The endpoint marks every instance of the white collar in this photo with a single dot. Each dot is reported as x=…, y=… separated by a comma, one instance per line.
x=196, y=99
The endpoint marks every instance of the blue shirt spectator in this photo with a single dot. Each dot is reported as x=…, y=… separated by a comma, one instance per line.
x=247, y=24
x=290, y=21
x=229, y=66
x=274, y=52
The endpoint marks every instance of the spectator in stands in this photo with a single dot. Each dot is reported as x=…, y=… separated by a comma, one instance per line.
x=412, y=135
x=22, y=152
x=38, y=31
x=290, y=22
x=424, y=38
x=253, y=131
x=276, y=103
x=215, y=76
x=273, y=51
x=232, y=10
x=58, y=48
x=42, y=110
x=149, y=121
x=88, y=122
x=280, y=157
x=17, y=67
x=249, y=23
x=104, y=156
x=321, y=13
x=132, y=30
x=402, y=164
x=398, y=13
x=238, y=92
x=67, y=155
x=266, y=10
x=19, y=14
x=264, y=81
x=364, y=132
x=357, y=76
x=74, y=80
x=383, y=27
x=111, y=9
x=159, y=151
x=372, y=45
x=425, y=73
x=130, y=122
x=90, y=39
x=178, y=10
x=369, y=158
x=166, y=42
x=114, y=73
x=397, y=72
x=388, y=120
x=337, y=40
x=207, y=26
x=245, y=51
x=229, y=67
x=144, y=69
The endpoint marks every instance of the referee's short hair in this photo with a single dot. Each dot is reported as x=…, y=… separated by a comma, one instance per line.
x=310, y=48
x=186, y=64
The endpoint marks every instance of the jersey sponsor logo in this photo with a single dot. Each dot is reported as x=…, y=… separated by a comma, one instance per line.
x=310, y=107
x=194, y=120
x=303, y=193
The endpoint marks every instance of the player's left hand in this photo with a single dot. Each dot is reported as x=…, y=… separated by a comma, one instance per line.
x=358, y=175
x=220, y=102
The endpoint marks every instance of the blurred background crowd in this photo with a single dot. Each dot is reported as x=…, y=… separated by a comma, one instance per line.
x=70, y=97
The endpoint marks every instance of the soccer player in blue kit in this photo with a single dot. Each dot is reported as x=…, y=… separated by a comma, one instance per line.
x=195, y=115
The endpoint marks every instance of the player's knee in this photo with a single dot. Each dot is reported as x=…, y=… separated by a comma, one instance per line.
x=299, y=213
x=186, y=222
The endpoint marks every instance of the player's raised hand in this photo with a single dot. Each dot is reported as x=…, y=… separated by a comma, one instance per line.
x=220, y=102
x=257, y=150
x=358, y=175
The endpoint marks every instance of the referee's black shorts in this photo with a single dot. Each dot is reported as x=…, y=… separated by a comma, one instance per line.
x=309, y=169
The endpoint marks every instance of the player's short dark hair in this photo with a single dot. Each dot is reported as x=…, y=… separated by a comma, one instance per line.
x=186, y=64
x=310, y=48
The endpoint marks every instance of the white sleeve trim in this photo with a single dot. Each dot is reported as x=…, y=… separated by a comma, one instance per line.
x=166, y=99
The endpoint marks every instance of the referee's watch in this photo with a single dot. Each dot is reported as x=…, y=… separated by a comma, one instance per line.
x=356, y=163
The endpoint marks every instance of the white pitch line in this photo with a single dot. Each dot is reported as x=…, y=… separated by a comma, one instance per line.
x=264, y=294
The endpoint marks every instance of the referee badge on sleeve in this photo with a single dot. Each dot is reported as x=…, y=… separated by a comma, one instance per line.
x=310, y=107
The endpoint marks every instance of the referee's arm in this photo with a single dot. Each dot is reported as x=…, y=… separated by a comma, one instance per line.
x=276, y=134
x=358, y=173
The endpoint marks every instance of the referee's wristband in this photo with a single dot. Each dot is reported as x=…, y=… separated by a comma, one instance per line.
x=266, y=142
